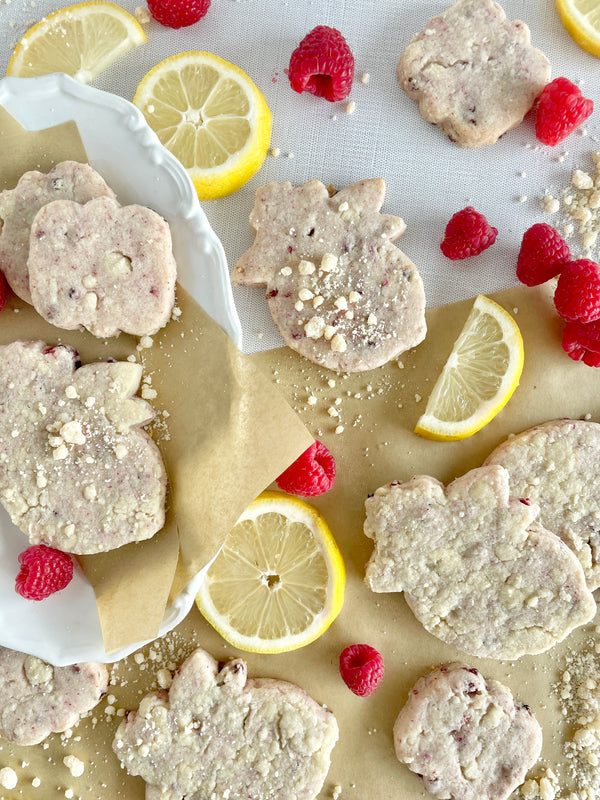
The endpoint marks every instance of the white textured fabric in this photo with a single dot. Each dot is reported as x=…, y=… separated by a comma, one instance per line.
x=428, y=178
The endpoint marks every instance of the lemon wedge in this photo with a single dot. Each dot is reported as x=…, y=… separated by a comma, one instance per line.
x=211, y=116
x=81, y=40
x=278, y=582
x=581, y=18
x=479, y=377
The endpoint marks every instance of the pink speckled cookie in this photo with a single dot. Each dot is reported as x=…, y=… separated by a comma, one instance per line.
x=101, y=266
x=68, y=180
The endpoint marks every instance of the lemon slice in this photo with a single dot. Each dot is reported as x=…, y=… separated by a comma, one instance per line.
x=211, y=116
x=278, y=582
x=581, y=18
x=479, y=377
x=81, y=40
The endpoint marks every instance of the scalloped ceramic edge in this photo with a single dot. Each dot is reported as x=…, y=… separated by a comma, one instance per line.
x=65, y=628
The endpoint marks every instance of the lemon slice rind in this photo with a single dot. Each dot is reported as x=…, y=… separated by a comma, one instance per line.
x=498, y=384
x=583, y=28
x=47, y=47
x=211, y=116
x=255, y=564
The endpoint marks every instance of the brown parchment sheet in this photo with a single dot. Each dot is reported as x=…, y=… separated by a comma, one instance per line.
x=220, y=433
x=378, y=410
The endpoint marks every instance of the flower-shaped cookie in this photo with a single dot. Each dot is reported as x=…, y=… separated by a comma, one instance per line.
x=473, y=72
x=68, y=180
x=106, y=267
x=475, y=567
x=216, y=733
x=340, y=292
x=77, y=472
x=37, y=699
x=466, y=736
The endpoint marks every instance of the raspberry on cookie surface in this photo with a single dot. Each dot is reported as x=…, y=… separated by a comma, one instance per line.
x=311, y=474
x=542, y=256
x=44, y=571
x=561, y=109
x=322, y=64
x=468, y=233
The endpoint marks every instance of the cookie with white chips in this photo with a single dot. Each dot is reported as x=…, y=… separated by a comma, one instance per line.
x=476, y=567
x=473, y=72
x=37, y=699
x=68, y=180
x=466, y=736
x=77, y=471
x=218, y=733
x=102, y=266
x=340, y=292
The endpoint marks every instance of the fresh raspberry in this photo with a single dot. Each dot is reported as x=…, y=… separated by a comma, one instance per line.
x=178, y=13
x=44, y=571
x=311, y=474
x=577, y=294
x=561, y=109
x=322, y=64
x=361, y=667
x=542, y=255
x=4, y=291
x=581, y=342
x=467, y=234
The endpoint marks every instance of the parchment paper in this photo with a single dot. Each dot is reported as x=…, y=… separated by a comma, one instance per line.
x=377, y=446
x=221, y=426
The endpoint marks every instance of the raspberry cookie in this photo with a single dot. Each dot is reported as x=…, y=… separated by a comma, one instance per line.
x=551, y=465
x=37, y=699
x=77, y=472
x=466, y=736
x=476, y=568
x=473, y=72
x=338, y=289
x=105, y=267
x=216, y=733
x=68, y=180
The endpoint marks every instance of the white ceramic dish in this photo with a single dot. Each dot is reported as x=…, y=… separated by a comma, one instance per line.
x=65, y=628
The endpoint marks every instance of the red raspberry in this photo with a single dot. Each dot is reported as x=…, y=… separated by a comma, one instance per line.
x=311, y=474
x=467, y=234
x=322, y=64
x=4, y=291
x=577, y=294
x=361, y=667
x=581, y=342
x=561, y=109
x=542, y=255
x=44, y=571
x=178, y=13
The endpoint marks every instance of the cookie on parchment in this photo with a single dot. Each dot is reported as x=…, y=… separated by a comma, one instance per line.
x=476, y=568
x=102, y=266
x=340, y=292
x=473, y=72
x=466, y=736
x=553, y=465
x=218, y=733
x=77, y=471
x=68, y=180
x=37, y=699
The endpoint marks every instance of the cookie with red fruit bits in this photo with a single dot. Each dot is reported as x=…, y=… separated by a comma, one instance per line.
x=340, y=292
x=218, y=733
x=77, y=471
x=465, y=735
x=473, y=72
x=37, y=699
x=550, y=465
